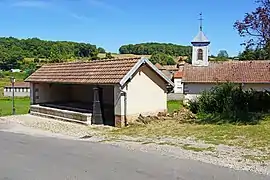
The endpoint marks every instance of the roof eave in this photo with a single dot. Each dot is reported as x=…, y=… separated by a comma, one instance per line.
x=138, y=65
x=208, y=82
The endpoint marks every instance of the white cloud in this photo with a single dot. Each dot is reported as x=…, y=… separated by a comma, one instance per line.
x=30, y=3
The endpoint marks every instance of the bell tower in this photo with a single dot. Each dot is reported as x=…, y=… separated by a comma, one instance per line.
x=200, y=47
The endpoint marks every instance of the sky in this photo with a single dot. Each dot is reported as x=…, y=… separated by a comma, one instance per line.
x=112, y=23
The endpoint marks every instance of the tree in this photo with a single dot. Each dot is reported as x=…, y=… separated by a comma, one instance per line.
x=101, y=50
x=253, y=54
x=256, y=26
x=151, y=48
x=222, y=55
x=162, y=59
x=108, y=56
x=13, y=51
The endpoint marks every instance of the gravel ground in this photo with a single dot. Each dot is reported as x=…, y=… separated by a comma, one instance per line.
x=226, y=156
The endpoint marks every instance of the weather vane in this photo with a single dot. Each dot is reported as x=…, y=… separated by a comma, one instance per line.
x=201, y=20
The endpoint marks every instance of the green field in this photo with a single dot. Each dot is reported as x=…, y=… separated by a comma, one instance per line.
x=174, y=106
x=21, y=106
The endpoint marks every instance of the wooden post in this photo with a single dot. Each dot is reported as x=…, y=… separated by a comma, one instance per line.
x=97, y=114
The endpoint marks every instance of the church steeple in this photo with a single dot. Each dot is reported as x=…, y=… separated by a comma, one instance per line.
x=200, y=47
x=201, y=20
x=200, y=38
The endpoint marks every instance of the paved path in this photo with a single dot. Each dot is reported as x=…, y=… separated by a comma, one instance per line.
x=25, y=157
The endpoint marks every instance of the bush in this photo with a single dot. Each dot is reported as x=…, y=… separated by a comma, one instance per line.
x=2, y=75
x=231, y=103
x=194, y=106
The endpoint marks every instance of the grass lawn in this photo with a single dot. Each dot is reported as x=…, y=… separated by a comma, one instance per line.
x=174, y=106
x=247, y=136
x=21, y=106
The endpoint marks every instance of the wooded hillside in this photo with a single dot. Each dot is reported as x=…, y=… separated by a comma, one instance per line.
x=13, y=51
x=151, y=48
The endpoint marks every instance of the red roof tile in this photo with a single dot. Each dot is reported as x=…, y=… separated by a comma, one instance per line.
x=93, y=72
x=178, y=74
x=20, y=85
x=233, y=71
x=159, y=66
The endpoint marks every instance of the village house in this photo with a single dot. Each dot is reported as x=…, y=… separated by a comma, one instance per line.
x=203, y=75
x=175, y=74
x=21, y=89
x=110, y=92
x=178, y=84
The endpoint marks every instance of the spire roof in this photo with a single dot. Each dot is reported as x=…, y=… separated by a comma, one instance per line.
x=200, y=38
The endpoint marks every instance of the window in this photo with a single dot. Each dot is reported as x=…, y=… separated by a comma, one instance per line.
x=200, y=54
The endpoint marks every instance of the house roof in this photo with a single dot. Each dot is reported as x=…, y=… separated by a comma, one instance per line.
x=178, y=74
x=170, y=67
x=233, y=71
x=20, y=85
x=159, y=66
x=166, y=67
x=111, y=71
x=200, y=38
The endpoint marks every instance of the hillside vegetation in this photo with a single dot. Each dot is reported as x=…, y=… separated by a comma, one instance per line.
x=15, y=52
x=151, y=48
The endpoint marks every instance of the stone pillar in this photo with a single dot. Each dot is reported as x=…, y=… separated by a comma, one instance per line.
x=32, y=94
x=97, y=114
x=120, y=117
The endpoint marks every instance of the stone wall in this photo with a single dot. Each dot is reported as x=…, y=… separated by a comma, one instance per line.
x=175, y=96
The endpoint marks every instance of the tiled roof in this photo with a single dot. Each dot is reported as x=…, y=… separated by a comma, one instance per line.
x=93, y=72
x=178, y=74
x=159, y=66
x=166, y=67
x=170, y=67
x=233, y=71
x=20, y=85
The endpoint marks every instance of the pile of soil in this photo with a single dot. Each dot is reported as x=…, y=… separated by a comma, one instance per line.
x=182, y=116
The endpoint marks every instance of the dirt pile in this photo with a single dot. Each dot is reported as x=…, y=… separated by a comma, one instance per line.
x=183, y=116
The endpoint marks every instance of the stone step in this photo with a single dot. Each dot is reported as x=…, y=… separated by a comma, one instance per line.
x=66, y=115
x=60, y=118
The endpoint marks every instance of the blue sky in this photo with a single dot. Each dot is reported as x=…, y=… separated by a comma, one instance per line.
x=112, y=23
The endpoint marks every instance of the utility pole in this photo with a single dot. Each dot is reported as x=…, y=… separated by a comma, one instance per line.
x=12, y=80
